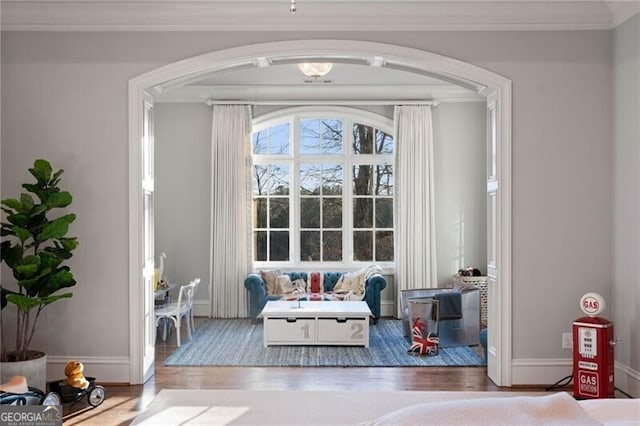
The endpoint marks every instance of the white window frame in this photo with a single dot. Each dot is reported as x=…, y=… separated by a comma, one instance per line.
x=348, y=159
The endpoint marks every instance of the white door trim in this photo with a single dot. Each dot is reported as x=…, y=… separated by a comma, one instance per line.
x=419, y=60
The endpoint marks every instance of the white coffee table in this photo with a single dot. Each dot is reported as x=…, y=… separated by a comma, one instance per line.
x=344, y=323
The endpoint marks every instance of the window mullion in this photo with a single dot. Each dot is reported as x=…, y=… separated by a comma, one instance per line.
x=347, y=194
x=294, y=221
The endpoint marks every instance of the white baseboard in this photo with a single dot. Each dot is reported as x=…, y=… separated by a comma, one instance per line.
x=627, y=379
x=539, y=371
x=104, y=369
x=201, y=308
x=549, y=371
x=387, y=308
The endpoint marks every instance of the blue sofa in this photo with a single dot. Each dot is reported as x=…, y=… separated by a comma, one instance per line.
x=258, y=295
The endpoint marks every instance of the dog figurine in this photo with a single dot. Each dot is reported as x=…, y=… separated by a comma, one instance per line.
x=74, y=371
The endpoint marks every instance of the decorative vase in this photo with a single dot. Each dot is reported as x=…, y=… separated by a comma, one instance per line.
x=34, y=370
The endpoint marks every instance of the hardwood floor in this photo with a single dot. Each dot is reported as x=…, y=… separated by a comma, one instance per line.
x=124, y=402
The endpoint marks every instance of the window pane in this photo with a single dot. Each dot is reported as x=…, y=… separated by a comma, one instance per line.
x=384, y=180
x=279, y=212
x=260, y=213
x=362, y=139
x=384, y=143
x=384, y=213
x=362, y=213
x=362, y=179
x=321, y=136
x=259, y=180
x=279, y=179
x=279, y=139
x=310, y=212
x=331, y=130
x=310, y=179
x=310, y=137
x=271, y=179
x=309, y=246
x=260, y=142
x=332, y=245
x=260, y=245
x=363, y=245
x=384, y=245
x=332, y=179
x=332, y=212
x=279, y=249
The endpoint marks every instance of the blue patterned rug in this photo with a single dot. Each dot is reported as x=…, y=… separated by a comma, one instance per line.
x=238, y=342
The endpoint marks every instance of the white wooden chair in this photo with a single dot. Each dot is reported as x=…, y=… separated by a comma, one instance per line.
x=161, y=274
x=195, y=290
x=176, y=311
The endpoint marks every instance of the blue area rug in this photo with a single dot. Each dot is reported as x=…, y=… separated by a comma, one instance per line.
x=238, y=342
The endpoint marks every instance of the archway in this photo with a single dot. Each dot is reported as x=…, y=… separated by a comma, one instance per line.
x=496, y=88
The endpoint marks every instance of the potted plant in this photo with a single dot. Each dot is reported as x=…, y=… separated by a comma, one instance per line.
x=34, y=247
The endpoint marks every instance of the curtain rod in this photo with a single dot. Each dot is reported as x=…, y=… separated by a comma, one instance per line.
x=430, y=102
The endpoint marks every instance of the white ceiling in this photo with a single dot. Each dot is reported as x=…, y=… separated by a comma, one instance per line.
x=314, y=15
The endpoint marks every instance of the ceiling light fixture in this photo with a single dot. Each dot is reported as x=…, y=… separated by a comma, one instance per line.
x=292, y=6
x=315, y=69
x=377, y=61
x=262, y=62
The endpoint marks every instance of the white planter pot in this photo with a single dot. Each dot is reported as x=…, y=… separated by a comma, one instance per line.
x=35, y=371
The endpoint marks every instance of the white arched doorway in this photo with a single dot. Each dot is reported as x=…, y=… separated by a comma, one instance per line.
x=496, y=88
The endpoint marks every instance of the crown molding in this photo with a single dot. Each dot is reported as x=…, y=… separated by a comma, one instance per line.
x=326, y=92
x=312, y=15
x=622, y=10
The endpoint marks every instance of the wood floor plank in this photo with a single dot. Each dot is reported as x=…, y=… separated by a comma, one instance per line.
x=124, y=402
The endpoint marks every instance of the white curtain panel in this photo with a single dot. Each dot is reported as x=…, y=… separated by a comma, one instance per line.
x=230, y=207
x=415, y=240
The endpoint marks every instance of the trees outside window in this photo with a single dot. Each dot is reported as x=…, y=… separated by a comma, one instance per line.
x=322, y=190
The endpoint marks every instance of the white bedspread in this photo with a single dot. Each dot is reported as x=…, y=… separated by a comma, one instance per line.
x=554, y=409
x=323, y=407
x=614, y=412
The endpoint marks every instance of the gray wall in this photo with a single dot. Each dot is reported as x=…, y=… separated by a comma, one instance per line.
x=626, y=195
x=183, y=189
x=64, y=97
x=459, y=136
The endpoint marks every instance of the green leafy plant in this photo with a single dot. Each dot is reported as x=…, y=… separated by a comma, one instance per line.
x=34, y=247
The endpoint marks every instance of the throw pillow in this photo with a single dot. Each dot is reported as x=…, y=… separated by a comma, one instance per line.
x=290, y=288
x=350, y=283
x=284, y=285
x=299, y=286
x=316, y=280
x=270, y=279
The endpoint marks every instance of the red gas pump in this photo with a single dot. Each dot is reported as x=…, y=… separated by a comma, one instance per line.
x=593, y=342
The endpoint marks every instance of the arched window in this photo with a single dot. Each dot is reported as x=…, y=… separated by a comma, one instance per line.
x=322, y=188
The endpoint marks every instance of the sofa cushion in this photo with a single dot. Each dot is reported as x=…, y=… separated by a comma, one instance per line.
x=351, y=285
x=350, y=282
x=315, y=282
x=283, y=285
x=270, y=279
x=287, y=287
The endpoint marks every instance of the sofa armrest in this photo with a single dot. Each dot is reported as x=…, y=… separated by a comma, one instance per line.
x=376, y=282
x=257, y=294
x=373, y=286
